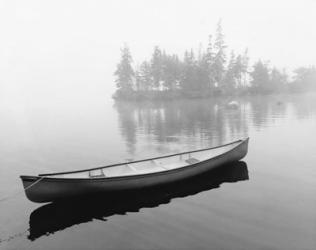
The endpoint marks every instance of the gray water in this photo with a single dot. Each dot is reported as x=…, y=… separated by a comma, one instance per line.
x=267, y=201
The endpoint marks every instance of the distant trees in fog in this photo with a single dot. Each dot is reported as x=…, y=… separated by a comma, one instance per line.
x=124, y=72
x=305, y=78
x=206, y=73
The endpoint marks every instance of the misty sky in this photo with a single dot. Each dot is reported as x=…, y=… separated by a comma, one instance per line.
x=70, y=48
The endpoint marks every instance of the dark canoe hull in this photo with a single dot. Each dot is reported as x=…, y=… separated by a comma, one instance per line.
x=54, y=189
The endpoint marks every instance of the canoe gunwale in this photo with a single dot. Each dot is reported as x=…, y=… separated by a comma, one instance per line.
x=148, y=159
x=137, y=176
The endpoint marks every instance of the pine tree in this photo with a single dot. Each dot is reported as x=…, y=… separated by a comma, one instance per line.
x=124, y=72
x=189, y=72
x=156, y=67
x=304, y=79
x=260, y=78
x=220, y=56
x=245, y=66
x=209, y=52
x=238, y=69
x=229, y=82
x=203, y=76
x=278, y=80
x=209, y=59
x=137, y=79
x=200, y=52
x=146, y=82
x=177, y=71
x=170, y=71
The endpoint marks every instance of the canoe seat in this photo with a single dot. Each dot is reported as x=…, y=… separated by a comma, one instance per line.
x=96, y=173
x=192, y=160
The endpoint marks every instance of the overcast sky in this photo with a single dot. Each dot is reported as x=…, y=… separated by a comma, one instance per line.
x=71, y=47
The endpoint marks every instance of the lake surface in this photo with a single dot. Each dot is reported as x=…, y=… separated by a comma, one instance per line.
x=266, y=201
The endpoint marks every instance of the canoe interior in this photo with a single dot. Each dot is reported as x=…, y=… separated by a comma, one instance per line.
x=160, y=164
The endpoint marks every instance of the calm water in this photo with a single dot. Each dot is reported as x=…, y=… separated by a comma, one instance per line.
x=267, y=201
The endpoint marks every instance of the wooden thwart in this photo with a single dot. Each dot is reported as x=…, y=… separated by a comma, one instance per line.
x=192, y=161
x=97, y=173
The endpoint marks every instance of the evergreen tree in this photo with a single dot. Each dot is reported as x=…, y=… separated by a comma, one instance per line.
x=137, y=79
x=124, y=72
x=156, y=67
x=200, y=52
x=146, y=82
x=220, y=56
x=229, y=82
x=278, y=80
x=178, y=66
x=209, y=59
x=170, y=72
x=260, y=78
x=244, y=68
x=203, y=76
x=189, y=71
x=238, y=70
x=305, y=79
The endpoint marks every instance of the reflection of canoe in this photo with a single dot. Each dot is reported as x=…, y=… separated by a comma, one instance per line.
x=58, y=216
x=131, y=175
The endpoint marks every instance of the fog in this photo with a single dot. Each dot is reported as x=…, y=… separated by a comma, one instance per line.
x=66, y=51
x=57, y=60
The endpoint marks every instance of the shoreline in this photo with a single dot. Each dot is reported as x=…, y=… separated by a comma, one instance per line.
x=139, y=98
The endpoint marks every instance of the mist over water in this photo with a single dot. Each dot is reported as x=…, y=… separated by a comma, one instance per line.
x=57, y=60
x=269, y=205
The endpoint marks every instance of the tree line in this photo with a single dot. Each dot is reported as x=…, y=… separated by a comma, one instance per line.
x=207, y=72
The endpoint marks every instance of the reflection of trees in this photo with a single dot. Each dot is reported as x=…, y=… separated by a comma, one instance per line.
x=237, y=122
x=259, y=112
x=204, y=120
x=127, y=125
x=200, y=123
x=304, y=105
x=268, y=109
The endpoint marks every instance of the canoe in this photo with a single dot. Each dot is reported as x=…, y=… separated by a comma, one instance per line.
x=57, y=216
x=131, y=175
